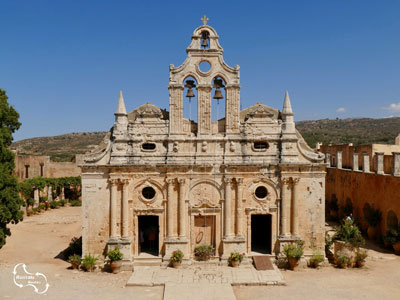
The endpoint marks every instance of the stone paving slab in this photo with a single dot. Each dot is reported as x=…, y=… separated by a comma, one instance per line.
x=198, y=291
x=246, y=275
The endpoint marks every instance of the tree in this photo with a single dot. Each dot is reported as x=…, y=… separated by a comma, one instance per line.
x=10, y=202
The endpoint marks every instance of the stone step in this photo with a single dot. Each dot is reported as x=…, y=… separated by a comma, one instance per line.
x=147, y=261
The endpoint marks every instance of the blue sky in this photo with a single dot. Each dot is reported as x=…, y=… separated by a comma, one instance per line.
x=64, y=62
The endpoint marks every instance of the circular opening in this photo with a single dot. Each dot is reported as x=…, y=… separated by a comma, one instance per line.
x=204, y=66
x=148, y=192
x=261, y=192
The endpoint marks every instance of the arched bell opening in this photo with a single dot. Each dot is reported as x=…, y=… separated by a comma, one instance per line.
x=190, y=100
x=205, y=40
x=218, y=98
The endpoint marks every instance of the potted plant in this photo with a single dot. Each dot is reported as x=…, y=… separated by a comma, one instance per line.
x=176, y=258
x=343, y=260
x=361, y=255
x=235, y=258
x=89, y=262
x=316, y=259
x=373, y=218
x=204, y=252
x=294, y=251
x=75, y=260
x=390, y=238
x=347, y=238
x=115, y=258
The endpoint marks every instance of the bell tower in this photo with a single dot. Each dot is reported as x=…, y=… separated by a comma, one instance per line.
x=204, y=49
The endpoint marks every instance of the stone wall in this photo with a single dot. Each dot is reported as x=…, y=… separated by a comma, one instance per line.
x=30, y=166
x=379, y=191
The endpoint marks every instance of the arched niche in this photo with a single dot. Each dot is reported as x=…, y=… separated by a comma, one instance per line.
x=204, y=193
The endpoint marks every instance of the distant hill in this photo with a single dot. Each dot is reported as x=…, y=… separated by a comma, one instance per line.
x=357, y=131
x=60, y=147
x=337, y=131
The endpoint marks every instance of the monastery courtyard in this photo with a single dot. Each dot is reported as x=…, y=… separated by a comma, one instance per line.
x=39, y=239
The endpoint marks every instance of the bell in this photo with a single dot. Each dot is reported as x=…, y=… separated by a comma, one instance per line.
x=189, y=93
x=204, y=43
x=218, y=94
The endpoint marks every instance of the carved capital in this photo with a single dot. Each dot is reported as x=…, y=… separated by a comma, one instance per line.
x=170, y=180
x=227, y=180
x=113, y=181
x=239, y=180
x=124, y=181
x=285, y=180
x=181, y=181
x=295, y=180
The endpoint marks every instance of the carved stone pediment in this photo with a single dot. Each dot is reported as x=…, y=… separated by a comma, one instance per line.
x=205, y=203
x=259, y=111
x=148, y=111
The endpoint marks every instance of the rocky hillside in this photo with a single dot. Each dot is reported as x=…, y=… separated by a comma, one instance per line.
x=60, y=147
x=356, y=131
x=338, y=131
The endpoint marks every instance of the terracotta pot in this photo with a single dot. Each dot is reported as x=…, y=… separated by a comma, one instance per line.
x=235, y=263
x=293, y=263
x=372, y=233
x=345, y=248
x=342, y=266
x=360, y=264
x=176, y=264
x=116, y=266
x=396, y=248
x=75, y=266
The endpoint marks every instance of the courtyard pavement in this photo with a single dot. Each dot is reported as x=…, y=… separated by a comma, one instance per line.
x=202, y=281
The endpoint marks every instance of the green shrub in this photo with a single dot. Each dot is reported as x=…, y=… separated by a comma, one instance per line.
x=89, y=262
x=76, y=203
x=54, y=204
x=343, y=259
x=42, y=206
x=114, y=255
x=392, y=236
x=176, y=256
x=42, y=199
x=294, y=250
x=316, y=259
x=348, y=232
x=75, y=246
x=75, y=259
x=361, y=255
x=62, y=202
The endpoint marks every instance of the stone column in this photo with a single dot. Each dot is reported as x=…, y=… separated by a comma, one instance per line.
x=113, y=208
x=170, y=213
x=355, y=162
x=125, y=209
x=239, y=209
x=204, y=109
x=227, y=207
x=295, y=208
x=366, y=162
x=339, y=159
x=50, y=193
x=379, y=162
x=62, y=195
x=182, y=210
x=328, y=158
x=396, y=163
x=284, y=207
x=36, y=198
x=176, y=108
x=232, y=108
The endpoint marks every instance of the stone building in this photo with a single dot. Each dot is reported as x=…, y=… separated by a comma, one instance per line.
x=161, y=181
x=365, y=176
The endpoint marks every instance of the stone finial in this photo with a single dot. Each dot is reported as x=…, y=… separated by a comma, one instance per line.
x=121, y=110
x=287, y=106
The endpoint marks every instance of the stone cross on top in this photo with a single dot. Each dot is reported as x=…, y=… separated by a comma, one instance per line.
x=204, y=19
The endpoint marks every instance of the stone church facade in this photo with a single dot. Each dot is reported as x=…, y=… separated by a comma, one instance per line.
x=246, y=182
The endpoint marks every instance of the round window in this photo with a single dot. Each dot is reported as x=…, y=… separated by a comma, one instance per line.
x=204, y=66
x=261, y=192
x=148, y=193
